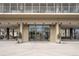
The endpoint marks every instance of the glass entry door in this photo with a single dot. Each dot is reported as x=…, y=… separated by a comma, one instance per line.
x=39, y=32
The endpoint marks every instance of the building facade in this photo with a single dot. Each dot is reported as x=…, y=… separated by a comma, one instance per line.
x=39, y=21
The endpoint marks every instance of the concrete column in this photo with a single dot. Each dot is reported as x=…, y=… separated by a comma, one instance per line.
x=57, y=31
x=8, y=33
x=52, y=33
x=74, y=34
x=25, y=34
x=21, y=27
x=71, y=33
x=13, y=33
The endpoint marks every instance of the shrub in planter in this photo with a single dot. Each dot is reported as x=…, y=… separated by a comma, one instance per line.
x=59, y=38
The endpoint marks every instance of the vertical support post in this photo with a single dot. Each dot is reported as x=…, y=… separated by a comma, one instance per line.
x=13, y=33
x=21, y=26
x=54, y=31
x=74, y=34
x=65, y=33
x=71, y=33
x=25, y=34
x=57, y=32
x=20, y=40
x=8, y=33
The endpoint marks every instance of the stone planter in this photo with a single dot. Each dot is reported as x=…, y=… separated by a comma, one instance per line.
x=58, y=41
x=19, y=41
x=58, y=38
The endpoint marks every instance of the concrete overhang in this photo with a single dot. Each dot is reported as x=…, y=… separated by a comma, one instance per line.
x=72, y=16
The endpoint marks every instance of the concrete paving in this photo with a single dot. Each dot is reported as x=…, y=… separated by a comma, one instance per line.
x=11, y=48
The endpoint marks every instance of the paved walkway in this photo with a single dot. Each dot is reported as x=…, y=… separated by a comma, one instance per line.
x=11, y=48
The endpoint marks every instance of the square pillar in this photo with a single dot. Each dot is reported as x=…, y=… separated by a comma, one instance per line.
x=21, y=27
x=25, y=34
x=52, y=33
x=71, y=33
x=13, y=33
x=8, y=33
x=57, y=32
x=20, y=31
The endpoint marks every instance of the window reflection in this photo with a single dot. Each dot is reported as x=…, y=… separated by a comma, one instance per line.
x=28, y=8
x=0, y=8
x=35, y=8
x=72, y=8
x=42, y=8
x=51, y=8
x=57, y=8
x=20, y=7
x=65, y=8
x=77, y=8
x=6, y=7
x=13, y=7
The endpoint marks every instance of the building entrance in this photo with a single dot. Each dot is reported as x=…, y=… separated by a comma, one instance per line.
x=39, y=32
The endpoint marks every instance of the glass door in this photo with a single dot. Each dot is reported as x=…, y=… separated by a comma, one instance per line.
x=38, y=32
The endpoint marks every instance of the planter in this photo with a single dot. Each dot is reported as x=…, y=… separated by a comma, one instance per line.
x=58, y=41
x=19, y=41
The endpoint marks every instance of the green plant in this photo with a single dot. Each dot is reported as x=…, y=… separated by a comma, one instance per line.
x=59, y=36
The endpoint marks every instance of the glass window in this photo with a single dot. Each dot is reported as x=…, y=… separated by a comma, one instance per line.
x=51, y=8
x=67, y=32
x=6, y=7
x=72, y=7
x=35, y=8
x=39, y=32
x=57, y=8
x=42, y=8
x=65, y=8
x=28, y=8
x=0, y=8
x=20, y=7
x=77, y=9
x=13, y=7
x=62, y=32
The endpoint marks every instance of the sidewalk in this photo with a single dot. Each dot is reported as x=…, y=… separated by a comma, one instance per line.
x=11, y=48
